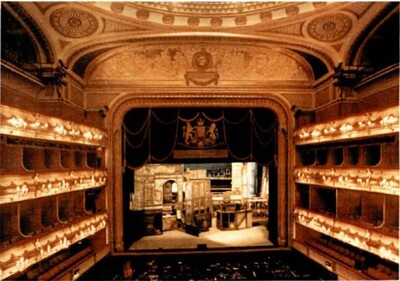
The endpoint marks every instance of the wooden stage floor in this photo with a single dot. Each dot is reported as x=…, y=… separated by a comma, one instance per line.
x=214, y=238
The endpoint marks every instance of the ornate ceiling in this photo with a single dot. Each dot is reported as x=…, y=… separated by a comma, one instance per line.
x=88, y=36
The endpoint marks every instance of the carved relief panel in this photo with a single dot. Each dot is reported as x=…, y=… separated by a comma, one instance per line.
x=202, y=65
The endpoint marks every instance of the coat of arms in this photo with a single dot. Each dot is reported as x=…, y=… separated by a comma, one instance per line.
x=200, y=135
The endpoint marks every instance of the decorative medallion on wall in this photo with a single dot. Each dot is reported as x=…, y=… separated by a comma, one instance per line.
x=330, y=27
x=216, y=22
x=292, y=10
x=192, y=21
x=117, y=7
x=168, y=19
x=143, y=14
x=201, y=76
x=73, y=23
x=202, y=60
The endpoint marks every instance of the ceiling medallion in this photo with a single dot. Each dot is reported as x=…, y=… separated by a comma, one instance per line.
x=193, y=21
x=168, y=19
x=216, y=22
x=73, y=23
x=117, y=7
x=202, y=60
x=241, y=20
x=142, y=14
x=292, y=11
x=266, y=16
x=318, y=5
x=330, y=27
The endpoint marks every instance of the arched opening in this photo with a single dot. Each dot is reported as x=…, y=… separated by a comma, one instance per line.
x=268, y=164
x=190, y=145
x=170, y=192
x=382, y=48
x=377, y=47
x=17, y=45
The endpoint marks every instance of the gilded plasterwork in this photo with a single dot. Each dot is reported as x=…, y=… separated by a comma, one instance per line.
x=171, y=63
x=207, y=7
x=330, y=28
x=73, y=23
x=115, y=26
x=208, y=14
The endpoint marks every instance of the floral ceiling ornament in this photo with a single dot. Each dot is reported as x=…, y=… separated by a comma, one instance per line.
x=73, y=23
x=329, y=28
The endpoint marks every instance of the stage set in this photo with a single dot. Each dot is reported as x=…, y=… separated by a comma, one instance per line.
x=209, y=205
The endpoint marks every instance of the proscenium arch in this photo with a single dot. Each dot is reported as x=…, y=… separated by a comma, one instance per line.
x=285, y=154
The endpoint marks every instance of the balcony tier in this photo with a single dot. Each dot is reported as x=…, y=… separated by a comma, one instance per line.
x=374, y=180
x=20, y=187
x=373, y=241
x=22, y=255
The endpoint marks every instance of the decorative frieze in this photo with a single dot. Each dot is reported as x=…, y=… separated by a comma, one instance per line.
x=200, y=64
x=15, y=188
x=370, y=124
x=21, y=256
x=369, y=240
x=17, y=122
x=374, y=180
x=220, y=14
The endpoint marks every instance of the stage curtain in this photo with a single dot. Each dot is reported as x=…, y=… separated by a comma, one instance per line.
x=151, y=135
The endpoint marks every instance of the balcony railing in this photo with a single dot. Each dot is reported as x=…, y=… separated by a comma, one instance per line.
x=17, y=122
x=376, y=180
x=15, y=188
x=22, y=255
x=372, y=123
x=385, y=246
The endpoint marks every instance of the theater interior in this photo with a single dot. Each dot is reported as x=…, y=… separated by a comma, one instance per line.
x=199, y=140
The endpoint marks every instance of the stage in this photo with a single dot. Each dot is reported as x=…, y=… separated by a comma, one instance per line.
x=214, y=238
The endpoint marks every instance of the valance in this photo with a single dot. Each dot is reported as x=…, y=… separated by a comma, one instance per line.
x=151, y=135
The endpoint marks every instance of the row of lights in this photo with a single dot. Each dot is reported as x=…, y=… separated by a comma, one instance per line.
x=372, y=123
x=18, y=188
x=387, y=181
x=23, y=123
x=19, y=258
x=376, y=243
